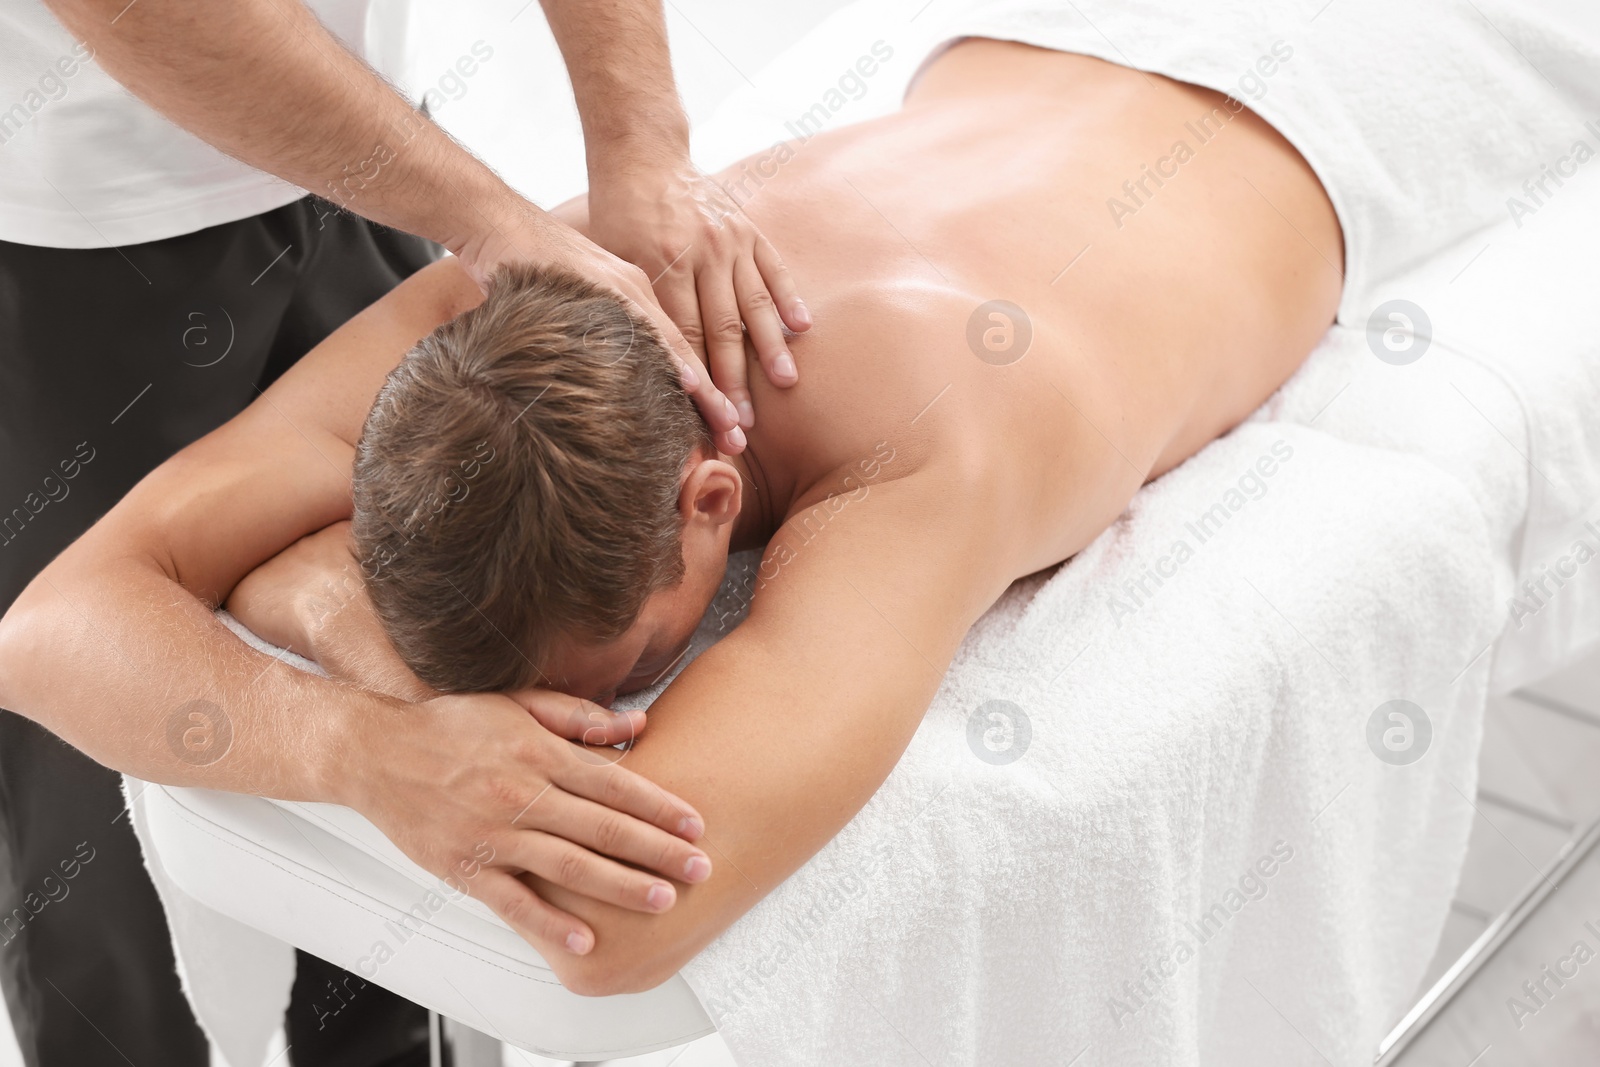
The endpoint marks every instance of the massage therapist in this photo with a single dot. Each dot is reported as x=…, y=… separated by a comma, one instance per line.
x=156, y=273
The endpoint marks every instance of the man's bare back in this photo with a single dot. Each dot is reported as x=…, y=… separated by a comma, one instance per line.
x=1151, y=333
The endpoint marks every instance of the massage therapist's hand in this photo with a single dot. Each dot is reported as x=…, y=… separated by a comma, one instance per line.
x=538, y=237
x=710, y=266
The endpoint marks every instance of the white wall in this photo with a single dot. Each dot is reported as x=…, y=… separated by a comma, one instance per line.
x=516, y=111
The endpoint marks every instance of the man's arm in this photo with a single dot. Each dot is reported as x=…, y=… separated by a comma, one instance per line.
x=783, y=730
x=115, y=648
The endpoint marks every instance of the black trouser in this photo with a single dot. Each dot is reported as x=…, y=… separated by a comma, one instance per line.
x=110, y=361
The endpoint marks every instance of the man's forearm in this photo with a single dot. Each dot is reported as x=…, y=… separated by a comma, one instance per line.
x=161, y=690
x=621, y=69
x=263, y=81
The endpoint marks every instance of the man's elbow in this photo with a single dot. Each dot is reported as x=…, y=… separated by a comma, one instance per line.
x=610, y=972
x=20, y=628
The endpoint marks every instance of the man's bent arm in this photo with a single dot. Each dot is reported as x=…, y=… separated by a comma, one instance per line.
x=117, y=634
x=783, y=730
x=115, y=648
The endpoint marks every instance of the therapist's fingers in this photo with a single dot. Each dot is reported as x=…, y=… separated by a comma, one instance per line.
x=679, y=299
x=779, y=283
x=761, y=319
x=526, y=912
x=724, y=330
x=575, y=868
x=714, y=407
x=674, y=289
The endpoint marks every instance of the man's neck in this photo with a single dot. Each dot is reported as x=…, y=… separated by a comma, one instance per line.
x=762, y=509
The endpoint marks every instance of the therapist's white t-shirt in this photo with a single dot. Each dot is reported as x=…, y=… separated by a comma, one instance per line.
x=86, y=164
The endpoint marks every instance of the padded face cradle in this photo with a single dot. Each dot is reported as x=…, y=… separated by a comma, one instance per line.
x=325, y=880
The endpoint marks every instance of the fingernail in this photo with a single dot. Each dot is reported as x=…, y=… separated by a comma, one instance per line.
x=733, y=412
x=577, y=944
x=736, y=438
x=802, y=314
x=747, y=413
x=698, y=869
x=659, y=897
x=784, y=365
x=688, y=826
x=691, y=380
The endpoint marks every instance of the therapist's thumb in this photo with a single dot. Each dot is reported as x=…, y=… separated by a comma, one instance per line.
x=580, y=720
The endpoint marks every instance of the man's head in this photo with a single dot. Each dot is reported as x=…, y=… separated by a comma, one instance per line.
x=536, y=500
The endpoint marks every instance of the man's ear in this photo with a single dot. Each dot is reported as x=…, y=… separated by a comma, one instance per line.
x=711, y=491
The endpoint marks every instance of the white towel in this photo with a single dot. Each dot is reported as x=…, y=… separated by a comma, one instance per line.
x=1216, y=714
x=1185, y=707
x=1423, y=120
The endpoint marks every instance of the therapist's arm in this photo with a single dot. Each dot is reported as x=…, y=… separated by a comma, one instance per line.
x=263, y=81
x=711, y=267
x=114, y=647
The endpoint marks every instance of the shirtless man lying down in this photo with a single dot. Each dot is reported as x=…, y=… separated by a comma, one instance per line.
x=538, y=510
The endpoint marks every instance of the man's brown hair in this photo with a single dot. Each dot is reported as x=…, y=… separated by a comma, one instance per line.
x=517, y=481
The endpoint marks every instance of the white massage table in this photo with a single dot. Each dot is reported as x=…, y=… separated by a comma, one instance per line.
x=323, y=879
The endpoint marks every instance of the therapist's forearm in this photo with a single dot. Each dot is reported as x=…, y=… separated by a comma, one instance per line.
x=159, y=689
x=621, y=69
x=263, y=81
